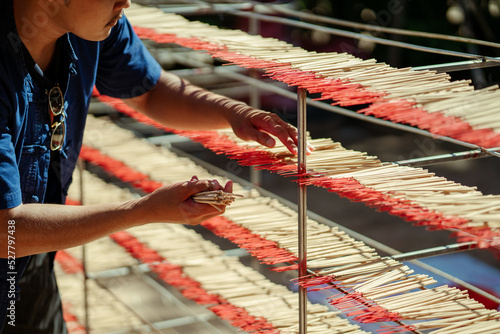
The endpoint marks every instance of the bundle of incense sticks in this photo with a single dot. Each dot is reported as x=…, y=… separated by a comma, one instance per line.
x=411, y=193
x=201, y=271
x=367, y=282
x=216, y=198
x=425, y=99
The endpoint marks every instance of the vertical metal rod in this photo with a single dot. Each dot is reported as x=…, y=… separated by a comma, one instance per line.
x=82, y=167
x=302, y=203
x=255, y=174
x=254, y=98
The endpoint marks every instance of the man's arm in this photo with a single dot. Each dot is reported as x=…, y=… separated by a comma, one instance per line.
x=176, y=103
x=42, y=228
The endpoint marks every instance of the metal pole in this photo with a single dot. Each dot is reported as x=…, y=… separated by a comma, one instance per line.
x=82, y=167
x=254, y=29
x=302, y=203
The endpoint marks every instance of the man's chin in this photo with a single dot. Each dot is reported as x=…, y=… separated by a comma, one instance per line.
x=98, y=36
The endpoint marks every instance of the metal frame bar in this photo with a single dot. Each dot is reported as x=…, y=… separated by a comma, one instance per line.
x=451, y=157
x=302, y=205
x=458, y=66
x=441, y=250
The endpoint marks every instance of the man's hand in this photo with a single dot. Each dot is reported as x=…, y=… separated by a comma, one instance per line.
x=253, y=124
x=174, y=203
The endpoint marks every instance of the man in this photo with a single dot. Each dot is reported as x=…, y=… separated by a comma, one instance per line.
x=52, y=54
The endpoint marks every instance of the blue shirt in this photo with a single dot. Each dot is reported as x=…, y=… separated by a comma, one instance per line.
x=120, y=66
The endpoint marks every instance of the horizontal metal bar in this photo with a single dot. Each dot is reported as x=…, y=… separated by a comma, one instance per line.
x=459, y=65
x=196, y=8
x=183, y=321
x=377, y=28
x=434, y=251
x=349, y=34
x=450, y=157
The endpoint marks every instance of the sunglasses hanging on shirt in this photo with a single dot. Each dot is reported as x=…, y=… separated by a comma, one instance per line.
x=58, y=127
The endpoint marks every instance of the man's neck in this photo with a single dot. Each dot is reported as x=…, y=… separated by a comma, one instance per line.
x=38, y=31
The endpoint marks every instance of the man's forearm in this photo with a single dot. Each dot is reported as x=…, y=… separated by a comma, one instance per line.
x=39, y=228
x=181, y=105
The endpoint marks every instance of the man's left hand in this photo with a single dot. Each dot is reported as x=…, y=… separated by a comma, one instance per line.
x=257, y=125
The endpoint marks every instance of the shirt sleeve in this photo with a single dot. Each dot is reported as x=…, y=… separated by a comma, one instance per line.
x=126, y=68
x=10, y=185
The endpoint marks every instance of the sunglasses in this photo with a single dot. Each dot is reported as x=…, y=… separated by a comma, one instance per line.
x=58, y=127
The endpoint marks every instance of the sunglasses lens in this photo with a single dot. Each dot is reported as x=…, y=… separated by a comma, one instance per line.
x=56, y=101
x=58, y=130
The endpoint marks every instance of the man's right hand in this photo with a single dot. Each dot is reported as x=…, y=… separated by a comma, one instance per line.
x=174, y=204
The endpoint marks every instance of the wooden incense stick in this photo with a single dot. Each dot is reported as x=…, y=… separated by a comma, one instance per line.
x=216, y=198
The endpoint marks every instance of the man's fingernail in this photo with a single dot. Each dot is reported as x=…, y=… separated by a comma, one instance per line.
x=270, y=142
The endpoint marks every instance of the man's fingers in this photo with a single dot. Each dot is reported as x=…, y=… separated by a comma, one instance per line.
x=256, y=133
x=196, y=186
x=215, y=185
x=228, y=187
x=285, y=132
